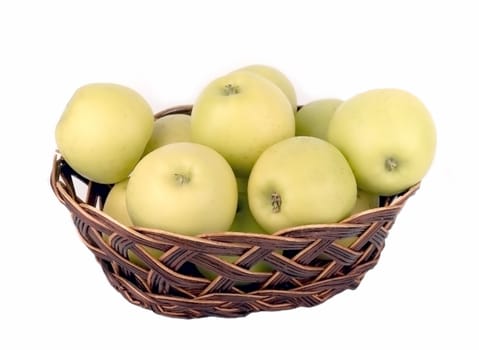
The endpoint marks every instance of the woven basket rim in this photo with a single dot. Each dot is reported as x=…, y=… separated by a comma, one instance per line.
x=348, y=222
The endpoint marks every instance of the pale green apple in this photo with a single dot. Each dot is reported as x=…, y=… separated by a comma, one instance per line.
x=115, y=206
x=103, y=131
x=364, y=201
x=260, y=266
x=169, y=129
x=242, y=183
x=240, y=115
x=388, y=136
x=182, y=187
x=115, y=203
x=244, y=220
x=313, y=118
x=299, y=181
x=277, y=77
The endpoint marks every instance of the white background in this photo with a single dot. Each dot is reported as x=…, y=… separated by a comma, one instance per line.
x=422, y=294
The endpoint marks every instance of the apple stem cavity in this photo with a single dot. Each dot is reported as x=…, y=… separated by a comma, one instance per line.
x=276, y=202
x=230, y=89
x=181, y=179
x=390, y=164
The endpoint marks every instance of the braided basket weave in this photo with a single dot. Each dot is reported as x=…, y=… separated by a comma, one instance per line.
x=172, y=285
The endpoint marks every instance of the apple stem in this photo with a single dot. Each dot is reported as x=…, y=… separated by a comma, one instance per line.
x=230, y=89
x=181, y=179
x=390, y=164
x=276, y=202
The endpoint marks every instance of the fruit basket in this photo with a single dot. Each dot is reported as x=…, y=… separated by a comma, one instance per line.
x=309, y=267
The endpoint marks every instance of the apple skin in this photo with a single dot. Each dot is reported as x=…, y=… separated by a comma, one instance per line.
x=115, y=203
x=299, y=181
x=388, y=136
x=169, y=129
x=313, y=118
x=182, y=187
x=364, y=201
x=240, y=115
x=260, y=266
x=103, y=131
x=244, y=220
x=242, y=183
x=115, y=207
x=278, y=78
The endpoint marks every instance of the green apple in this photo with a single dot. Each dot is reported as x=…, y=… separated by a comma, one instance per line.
x=115, y=203
x=260, y=266
x=364, y=201
x=277, y=77
x=115, y=206
x=388, y=136
x=313, y=118
x=242, y=183
x=244, y=220
x=103, y=131
x=182, y=187
x=240, y=115
x=169, y=129
x=298, y=181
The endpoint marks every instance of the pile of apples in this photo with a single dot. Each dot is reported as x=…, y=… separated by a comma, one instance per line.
x=247, y=159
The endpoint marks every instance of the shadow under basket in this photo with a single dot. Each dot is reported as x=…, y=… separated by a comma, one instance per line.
x=307, y=267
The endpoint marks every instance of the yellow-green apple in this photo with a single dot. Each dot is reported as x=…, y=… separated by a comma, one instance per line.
x=388, y=136
x=260, y=266
x=244, y=220
x=182, y=187
x=313, y=118
x=242, y=183
x=115, y=203
x=115, y=207
x=277, y=77
x=298, y=181
x=103, y=131
x=240, y=115
x=169, y=129
x=364, y=201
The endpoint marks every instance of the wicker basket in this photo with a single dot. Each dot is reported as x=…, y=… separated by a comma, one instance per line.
x=172, y=285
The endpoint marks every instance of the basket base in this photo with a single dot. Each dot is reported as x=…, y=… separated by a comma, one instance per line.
x=230, y=305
